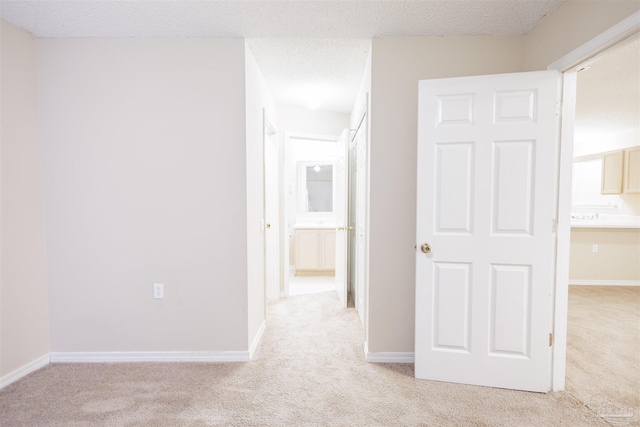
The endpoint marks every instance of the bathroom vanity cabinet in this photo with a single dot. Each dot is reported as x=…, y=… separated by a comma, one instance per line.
x=315, y=251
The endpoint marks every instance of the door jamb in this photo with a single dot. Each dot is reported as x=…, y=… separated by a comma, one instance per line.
x=568, y=65
x=268, y=130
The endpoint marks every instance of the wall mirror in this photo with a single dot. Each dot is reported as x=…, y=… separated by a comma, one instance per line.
x=315, y=187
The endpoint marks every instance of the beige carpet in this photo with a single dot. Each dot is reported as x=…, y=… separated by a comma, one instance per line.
x=603, y=344
x=309, y=371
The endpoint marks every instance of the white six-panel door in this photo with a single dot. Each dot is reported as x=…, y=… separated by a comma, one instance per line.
x=487, y=150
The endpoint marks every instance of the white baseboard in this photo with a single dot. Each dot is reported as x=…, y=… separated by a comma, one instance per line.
x=257, y=339
x=150, y=356
x=388, y=357
x=25, y=370
x=604, y=282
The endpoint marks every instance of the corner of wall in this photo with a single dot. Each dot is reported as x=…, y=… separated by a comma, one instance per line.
x=24, y=305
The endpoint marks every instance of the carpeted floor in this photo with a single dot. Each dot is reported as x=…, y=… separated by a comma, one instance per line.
x=309, y=371
x=603, y=344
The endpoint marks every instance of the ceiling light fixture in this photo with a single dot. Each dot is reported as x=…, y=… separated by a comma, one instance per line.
x=314, y=101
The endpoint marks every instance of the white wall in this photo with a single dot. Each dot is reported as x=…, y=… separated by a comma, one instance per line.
x=296, y=119
x=24, y=315
x=258, y=97
x=145, y=181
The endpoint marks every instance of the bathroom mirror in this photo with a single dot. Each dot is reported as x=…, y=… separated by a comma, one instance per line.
x=315, y=187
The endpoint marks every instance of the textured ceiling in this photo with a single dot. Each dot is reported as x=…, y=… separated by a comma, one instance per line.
x=315, y=60
x=608, y=96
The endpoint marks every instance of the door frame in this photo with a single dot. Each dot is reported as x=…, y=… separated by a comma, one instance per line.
x=286, y=188
x=269, y=136
x=362, y=123
x=569, y=65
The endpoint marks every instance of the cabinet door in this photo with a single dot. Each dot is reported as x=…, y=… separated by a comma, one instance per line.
x=328, y=250
x=632, y=170
x=307, y=250
x=612, y=172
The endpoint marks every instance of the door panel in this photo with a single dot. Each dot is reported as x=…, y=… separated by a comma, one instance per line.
x=454, y=188
x=486, y=159
x=451, y=309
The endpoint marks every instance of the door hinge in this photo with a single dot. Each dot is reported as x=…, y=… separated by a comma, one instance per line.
x=554, y=225
x=550, y=340
x=558, y=108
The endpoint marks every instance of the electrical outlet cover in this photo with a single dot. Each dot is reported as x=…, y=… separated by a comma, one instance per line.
x=158, y=290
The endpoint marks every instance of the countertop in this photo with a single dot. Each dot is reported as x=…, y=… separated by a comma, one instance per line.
x=604, y=221
x=314, y=226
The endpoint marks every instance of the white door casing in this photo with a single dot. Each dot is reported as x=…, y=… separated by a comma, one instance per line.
x=342, y=231
x=272, y=212
x=360, y=140
x=487, y=156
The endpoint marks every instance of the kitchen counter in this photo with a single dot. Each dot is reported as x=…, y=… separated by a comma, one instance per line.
x=605, y=221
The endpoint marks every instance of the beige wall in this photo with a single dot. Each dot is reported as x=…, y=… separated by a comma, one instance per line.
x=24, y=315
x=397, y=66
x=616, y=259
x=574, y=23
x=258, y=97
x=145, y=181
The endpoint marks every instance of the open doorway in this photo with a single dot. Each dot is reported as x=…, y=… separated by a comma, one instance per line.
x=603, y=329
x=324, y=188
x=310, y=163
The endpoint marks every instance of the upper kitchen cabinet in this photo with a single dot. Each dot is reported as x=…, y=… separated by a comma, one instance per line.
x=632, y=170
x=612, y=166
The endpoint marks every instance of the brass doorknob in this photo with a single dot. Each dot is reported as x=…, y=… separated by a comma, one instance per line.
x=425, y=248
x=268, y=226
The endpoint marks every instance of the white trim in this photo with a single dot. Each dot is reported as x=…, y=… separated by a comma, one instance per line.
x=150, y=356
x=604, y=282
x=387, y=356
x=310, y=136
x=569, y=64
x=25, y=370
x=269, y=127
x=257, y=339
x=597, y=45
x=563, y=233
